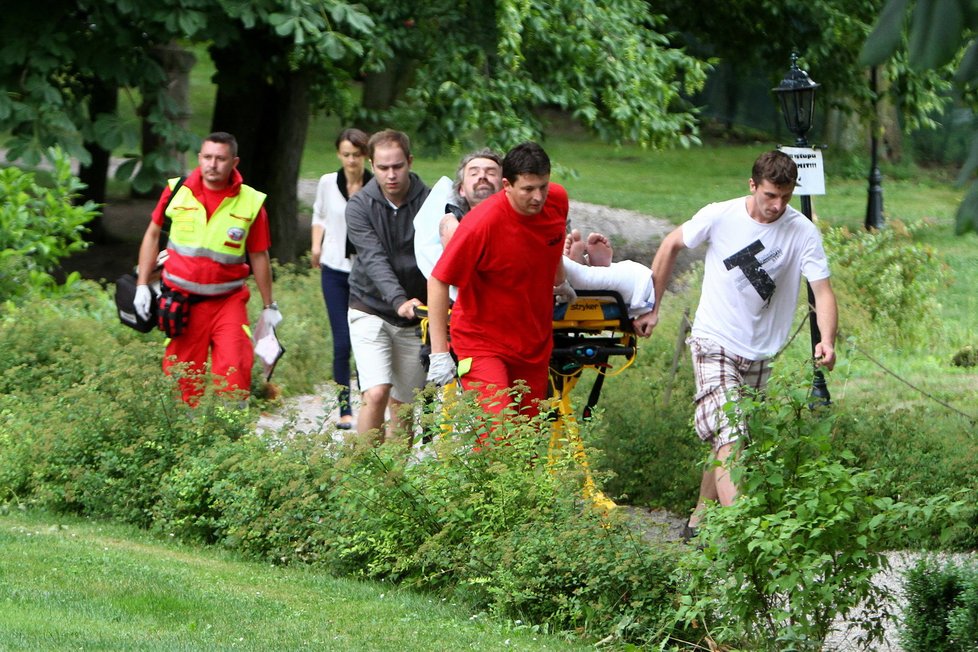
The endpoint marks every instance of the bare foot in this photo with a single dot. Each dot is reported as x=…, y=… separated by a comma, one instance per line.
x=574, y=247
x=599, y=251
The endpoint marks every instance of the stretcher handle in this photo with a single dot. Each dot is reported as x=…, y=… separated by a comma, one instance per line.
x=593, y=352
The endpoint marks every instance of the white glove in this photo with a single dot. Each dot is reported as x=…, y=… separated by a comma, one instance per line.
x=271, y=316
x=141, y=302
x=441, y=369
x=564, y=293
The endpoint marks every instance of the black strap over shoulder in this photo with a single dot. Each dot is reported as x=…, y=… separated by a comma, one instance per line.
x=165, y=235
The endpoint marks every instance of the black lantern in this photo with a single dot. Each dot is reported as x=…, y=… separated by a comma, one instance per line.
x=797, y=94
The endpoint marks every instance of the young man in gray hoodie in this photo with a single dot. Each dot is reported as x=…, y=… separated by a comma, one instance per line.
x=385, y=282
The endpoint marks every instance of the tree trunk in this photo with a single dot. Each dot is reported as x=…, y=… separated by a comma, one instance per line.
x=288, y=119
x=382, y=89
x=270, y=121
x=104, y=99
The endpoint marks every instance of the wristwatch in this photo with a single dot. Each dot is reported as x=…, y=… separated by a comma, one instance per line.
x=271, y=306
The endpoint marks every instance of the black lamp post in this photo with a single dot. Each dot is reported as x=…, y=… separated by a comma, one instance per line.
x=874, y=205
x=797, y=95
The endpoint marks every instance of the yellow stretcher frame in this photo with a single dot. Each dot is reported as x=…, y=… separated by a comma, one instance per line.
x=588, y=333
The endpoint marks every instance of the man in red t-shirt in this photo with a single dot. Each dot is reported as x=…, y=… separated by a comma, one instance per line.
x=505, y=260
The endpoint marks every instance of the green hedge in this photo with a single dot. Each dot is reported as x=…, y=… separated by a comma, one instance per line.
x=942, y=607
x=91, y=426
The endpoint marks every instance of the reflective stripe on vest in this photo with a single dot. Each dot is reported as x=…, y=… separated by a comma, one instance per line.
x=203, y=252
x=208, y=289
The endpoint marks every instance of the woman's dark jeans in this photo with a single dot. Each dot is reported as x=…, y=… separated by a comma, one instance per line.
x=336, y=294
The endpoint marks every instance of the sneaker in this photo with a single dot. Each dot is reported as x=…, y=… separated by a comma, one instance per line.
x=689, y=532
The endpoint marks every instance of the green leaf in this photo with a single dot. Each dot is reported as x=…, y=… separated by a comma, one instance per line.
x=125, y=169
x=6, y=107
x=935, y=33
x=886, y=35
x=283, y=23
x=333, y=46
x=191, y=22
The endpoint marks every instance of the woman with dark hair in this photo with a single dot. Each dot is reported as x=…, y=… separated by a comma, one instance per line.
x=332, y=253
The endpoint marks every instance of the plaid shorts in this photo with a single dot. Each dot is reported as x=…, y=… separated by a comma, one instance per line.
x=721, y=376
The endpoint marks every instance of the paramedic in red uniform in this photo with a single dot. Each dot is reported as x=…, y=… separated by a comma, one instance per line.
x=505, y=260
x=216, y=220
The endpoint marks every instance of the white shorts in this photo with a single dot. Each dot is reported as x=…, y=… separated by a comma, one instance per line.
x=386, y=355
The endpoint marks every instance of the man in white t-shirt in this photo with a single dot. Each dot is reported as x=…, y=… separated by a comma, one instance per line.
x=757, y=249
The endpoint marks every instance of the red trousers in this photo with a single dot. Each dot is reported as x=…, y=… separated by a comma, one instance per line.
x=489, y=375
x=218, y=327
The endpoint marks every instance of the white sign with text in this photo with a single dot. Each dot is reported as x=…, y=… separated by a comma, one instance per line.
x=811, y=171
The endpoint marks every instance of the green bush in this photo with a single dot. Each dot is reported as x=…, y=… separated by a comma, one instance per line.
x=885, y=283
x=802, y=542
x=504, y=529
x=915, y=463
x=942, y=607
x=104, y=445
x=49, y=346
x=581, y=571
x=86, y=403
x=38, y=226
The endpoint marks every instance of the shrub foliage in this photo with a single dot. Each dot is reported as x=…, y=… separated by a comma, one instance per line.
x=886, y=283
x=39, y=226
x=803, y=540
x=942, y=607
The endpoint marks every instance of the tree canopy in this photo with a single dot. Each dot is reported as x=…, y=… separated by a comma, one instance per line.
x=935, y=35
x=828, y=34
x=483, y=70
x=456, y=72
x=52, y=59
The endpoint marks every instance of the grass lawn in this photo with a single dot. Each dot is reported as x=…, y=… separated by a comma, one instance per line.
x=72, y=584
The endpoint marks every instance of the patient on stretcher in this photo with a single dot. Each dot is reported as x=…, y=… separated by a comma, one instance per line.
x=589, y=266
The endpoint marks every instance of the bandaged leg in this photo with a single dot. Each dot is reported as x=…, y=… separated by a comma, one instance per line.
x=632, y=280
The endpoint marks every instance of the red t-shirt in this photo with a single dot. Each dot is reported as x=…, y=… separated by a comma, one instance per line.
x=259, y=236
x=504, y=265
